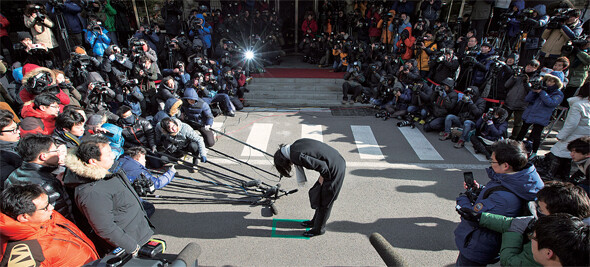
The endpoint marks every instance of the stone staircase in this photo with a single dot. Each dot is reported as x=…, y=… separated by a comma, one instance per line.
x=294, y=92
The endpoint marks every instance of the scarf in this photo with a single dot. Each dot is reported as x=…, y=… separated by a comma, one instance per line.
x=299, y=172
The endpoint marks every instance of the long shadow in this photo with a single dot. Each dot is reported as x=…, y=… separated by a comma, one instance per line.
x=421, y=233
x=217, y=225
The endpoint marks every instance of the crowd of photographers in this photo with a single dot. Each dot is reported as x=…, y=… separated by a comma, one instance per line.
x=92, y=120
x=97, y=110
x=529, y=62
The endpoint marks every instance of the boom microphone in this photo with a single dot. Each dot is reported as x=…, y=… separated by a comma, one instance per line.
x=188, y=256
x=386, y=251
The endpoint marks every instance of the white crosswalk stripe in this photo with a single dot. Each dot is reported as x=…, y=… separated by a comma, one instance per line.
x=312, y=132
x=258, y=137
x=366, y=143
x=420, y=144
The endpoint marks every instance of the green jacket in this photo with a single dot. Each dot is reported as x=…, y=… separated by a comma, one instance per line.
x=512, y=252
x=110, y=13
x=580, y=64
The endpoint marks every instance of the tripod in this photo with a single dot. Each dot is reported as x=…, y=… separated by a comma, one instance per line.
x=63, y=33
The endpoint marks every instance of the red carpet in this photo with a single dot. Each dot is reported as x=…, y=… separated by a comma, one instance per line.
x=299, y=73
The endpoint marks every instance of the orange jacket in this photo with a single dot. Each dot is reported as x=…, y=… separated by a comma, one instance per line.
x=62, y=242
x=408, y=42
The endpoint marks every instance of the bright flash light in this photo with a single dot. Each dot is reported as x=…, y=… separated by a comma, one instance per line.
x=249, y=55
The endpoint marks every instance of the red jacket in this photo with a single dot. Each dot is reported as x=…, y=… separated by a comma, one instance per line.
x=62, y=242
x=309, y=25
x=409, y=42
x=36, y=121
x=26, y=96
x=5, y=23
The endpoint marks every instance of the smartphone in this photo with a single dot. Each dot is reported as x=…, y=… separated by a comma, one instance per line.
x=109, y=134
x=458, y=207
x=468, y=178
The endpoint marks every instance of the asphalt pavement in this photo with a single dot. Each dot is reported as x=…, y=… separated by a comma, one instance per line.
x=389, y=189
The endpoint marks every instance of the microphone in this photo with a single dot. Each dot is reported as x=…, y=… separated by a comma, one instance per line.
x=251, y=183
x=386, y=251
x=188, y=256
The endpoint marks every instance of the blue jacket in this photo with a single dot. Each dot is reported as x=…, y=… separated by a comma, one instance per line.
x=541, y=106
x=117, y=140
x=205, y=32
x=483, y=245
x=134, y=169
x=482, y=68
x=74, y=21
x=99, y=43
x=200, y=112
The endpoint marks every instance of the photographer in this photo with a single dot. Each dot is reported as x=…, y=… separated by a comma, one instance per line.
x=408, y=74
x=145, y=71
x=200, y=29
x=430, y=10
x=468, y=110
x=176, y=138
x=116, y=66
x=197, y=114
x=353, y=83
x=171, y=11
x=167, y=89
x=178, y=73
x=309, y=25
x=444, y=66
x=173, y=51
x=79, y=65
x=97, y=37
x=99, y=96
x=424, y=48
x=509, y=169
x=69, y=128
x=536, y=26
x=137, y=131
x=542, y=99
x=560, y=30
x=134, y=165
x=421, y=98
x=35, y=18
x=39, y=116
x=579, y=67
x=38, y=80
x=129, y=94
x=518, y=87
x=445, y=99
x=208, y=90
x=482, y=65
x=149, y=37
x=229, y=86
x=489, y=128
x=74, y=22
x=405, y=44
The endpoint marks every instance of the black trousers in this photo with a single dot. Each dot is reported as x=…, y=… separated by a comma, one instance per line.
x=535, y=135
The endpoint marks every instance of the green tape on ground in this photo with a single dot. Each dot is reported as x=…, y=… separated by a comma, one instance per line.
x=274, y=229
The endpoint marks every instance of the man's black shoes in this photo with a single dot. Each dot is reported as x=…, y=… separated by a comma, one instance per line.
x=307, y=224
x=312, y=233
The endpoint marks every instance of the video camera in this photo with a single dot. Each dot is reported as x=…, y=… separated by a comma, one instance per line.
x=537, y=84
x=143, y=186
x=38, y=83
x=556, y=21
x=101, y=87
x=578, y=43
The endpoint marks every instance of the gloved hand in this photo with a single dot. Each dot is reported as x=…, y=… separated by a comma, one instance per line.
x=207, y=127
x=490, y=122
x=469, y=214
x=203, y=159
x=520, y=224
x=154, y=149
x=112, y=57
x=172, y=168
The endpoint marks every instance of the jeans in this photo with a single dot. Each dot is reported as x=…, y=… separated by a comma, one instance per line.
x=436, y=124
x=451, y=120
x=414, y=109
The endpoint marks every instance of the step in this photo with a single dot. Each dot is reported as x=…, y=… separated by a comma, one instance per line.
x=296, y=80
x=291, y=88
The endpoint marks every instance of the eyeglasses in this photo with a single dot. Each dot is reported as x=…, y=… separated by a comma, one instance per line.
x=51, y=151
x=532, y=236
x=46, y=207
x=15, y=130
x=54, y=106
x=493, y=162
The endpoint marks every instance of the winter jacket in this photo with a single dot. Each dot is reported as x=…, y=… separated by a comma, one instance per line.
x=404, y=7
x=481, y=67
x=62, y=243
x=116, y=141
x=556, y=38
x=42, y=175
x=164, y=92
x=579, y=67
x=71, y=13
x=423, y=55
x=541, y=105
x=517, y=91
x=110, y=204
x=494, y=131
x=576, y=125
x=205, y=33
x=310, y=25
x=431, y=11
x=198, y=113
x=444, y=103
x=172, y=105
x=170, y=13
x=4, y=28
x=10, y=160
x=133, y=99
x=481, y=9
x=480, y=244
x=178, y=142
x=516, y=250
x=445, y=69
x=98, y=42
x=41, y=33
x=62, y=137
x=471, y=110
x=140, y=133
x=110, y=13
x=409, y=43
x=35, y=121
x=133, y=169
x=537, y=27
